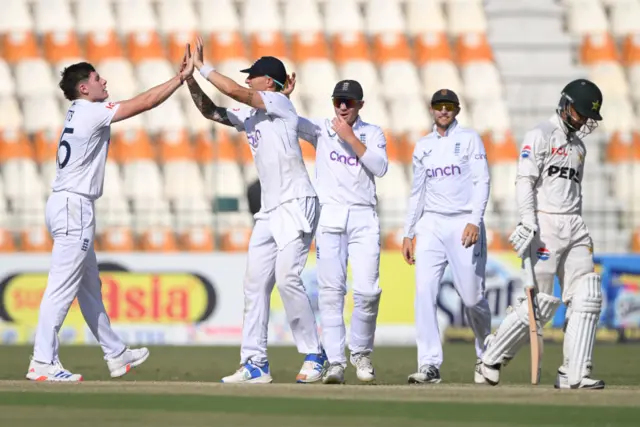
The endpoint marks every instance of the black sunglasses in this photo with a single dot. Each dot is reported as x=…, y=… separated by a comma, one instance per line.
x=349, y=103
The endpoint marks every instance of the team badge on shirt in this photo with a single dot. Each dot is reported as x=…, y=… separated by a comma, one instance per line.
x=526, y=151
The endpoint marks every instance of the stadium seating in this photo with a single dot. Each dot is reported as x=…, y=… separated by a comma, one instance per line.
x=176, y=181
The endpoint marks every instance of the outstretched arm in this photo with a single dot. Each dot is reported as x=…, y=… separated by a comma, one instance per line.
x=206, y=106
x=156, y=95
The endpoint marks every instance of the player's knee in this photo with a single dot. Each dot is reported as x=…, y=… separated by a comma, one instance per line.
x=587, y=297
x=366, y=305
x=471, y=299
x=545, y=280
x=547, y=306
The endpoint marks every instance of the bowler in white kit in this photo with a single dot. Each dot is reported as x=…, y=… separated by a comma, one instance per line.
x=350, y=154
x=82, y=154
x=286, y=222
x=446, y=208
x=553, y=234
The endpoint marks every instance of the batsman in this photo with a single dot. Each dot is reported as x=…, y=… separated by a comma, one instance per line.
x=553, y=234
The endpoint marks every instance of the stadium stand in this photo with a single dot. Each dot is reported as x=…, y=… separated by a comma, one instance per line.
x=177, y=182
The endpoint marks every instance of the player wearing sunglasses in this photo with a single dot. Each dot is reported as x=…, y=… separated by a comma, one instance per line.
x=446, y=208
x=350, y=153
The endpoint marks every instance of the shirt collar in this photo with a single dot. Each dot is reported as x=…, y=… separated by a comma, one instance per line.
x=357, y=123
x=452, y=127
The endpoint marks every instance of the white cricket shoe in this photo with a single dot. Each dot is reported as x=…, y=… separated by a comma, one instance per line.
x=562, y=382
x=478, y=378
x=250, y=374
x=50, y=372
x=334, y=374
x=312, y=368
x=364, y=367
x=121, y=365
x=427, y=374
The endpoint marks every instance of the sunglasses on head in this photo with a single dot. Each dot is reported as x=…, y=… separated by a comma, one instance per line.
x=349, y=103
x=449, y=106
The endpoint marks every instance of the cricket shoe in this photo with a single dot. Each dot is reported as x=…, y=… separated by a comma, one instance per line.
x=562, y=382
x=364, y=367
x=312, y=369
x=427, y=374
x=334, y=374
x=478, y=378
x=50, y=372
x=121, y=365
x=250, y=374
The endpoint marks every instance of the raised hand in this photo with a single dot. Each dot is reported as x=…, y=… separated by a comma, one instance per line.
x=290, y=84
x=187, y=65
x=342, y=128
x=199, y=55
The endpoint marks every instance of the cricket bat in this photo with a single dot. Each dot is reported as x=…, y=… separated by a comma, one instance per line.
x=535, y=328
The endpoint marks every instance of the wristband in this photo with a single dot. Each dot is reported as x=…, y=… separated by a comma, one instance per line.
x=205, y=70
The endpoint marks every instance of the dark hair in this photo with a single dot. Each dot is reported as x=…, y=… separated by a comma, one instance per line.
x=72, y=76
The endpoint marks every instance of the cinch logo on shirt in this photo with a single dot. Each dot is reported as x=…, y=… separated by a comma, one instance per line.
x=445, y=171
x=340, y=158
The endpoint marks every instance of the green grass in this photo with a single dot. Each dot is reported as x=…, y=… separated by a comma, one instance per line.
x=179, y=386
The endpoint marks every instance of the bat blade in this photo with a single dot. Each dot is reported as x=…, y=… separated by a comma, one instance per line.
x=535, y=332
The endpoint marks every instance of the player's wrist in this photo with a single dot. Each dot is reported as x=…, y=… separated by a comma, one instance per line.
x=205, y=70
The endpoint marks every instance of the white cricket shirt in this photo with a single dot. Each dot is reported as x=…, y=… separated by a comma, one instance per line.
x=83, y=148
x=550, y=171
x=341, y=177
x=273, y=138
x=450, y=176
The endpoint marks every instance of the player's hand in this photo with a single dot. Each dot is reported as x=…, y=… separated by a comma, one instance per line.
x=521, y=238
x=342, y=128
x=408, y=251
x=199, y=55
x=470, y=235
x=290, y=84
x=186, y=67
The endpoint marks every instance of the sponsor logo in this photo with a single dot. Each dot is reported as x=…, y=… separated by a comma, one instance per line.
x=565, y=173
x=480, y=156
x=254, y=138
x=110, y=105
x=347, y=160
x=445, y=171
x=526, y=151
x=543, y=254
x=560, y=152
x=85, y=245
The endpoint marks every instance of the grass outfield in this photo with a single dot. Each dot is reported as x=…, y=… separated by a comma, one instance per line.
x=179, y=386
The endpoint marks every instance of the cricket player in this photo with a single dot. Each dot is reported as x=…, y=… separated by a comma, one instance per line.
x=350, y=153
x=446, y=209
x=553, y=234
x=82, y=154
x=286, y=222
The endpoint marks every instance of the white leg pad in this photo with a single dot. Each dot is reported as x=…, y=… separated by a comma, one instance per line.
x=513, y=332
x=581, y=327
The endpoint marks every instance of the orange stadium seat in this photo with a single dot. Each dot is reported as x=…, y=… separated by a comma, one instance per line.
x=144, y=45
x=177, y=41
x=35, y=239
x=204, y=147
x=350, y=47
x=496, y=241
x=473, y=47
x=235, y=239
x=631, y=49
x=46, y=145
x=7, y=244
x=175, y=145
x=131, y=145
x=158, y=240
x=432, y=47
x=391, y=47
x=19, y=45
x=500, y=147
x=116, y=239
x=308, y=46
x=267, y=44
x=635, y=241
x=103, y=45
x=393, y=239
x=61, y=45
x=623, y=147
x=200, y=239
x=225, y=46
x=598, y=48
x=14, y=145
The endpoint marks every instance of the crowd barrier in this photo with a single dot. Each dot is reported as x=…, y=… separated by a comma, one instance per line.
x=197, y=299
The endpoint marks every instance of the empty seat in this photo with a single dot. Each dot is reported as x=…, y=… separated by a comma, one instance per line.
x=441, y=75
x=121, y=80
x=317, y=78
x=400, y=71
x=21, y=180
x=217, y=16
x=618, y=111
x=260, y=16
x=610, y=78
x=466, y=16
x=490, y=115
x=178, y=22
x=183, y=180
x=586, y=17
x=432, y=47
x=94, y=16
x=302, y=16
x=7, y=86
x=625, y=17
x=166, y=117
x=365, y=73
x=15, y=17
x=342, y=15
x=384, y=17
x=10, y=115
x=41, y=113
x=135, y=16
x=53, y=16
x=473, y=47
x=481, y=81
x=34, y=78
x=598, y=47
x=322, y=108
x=222, y=177
x=19, y=40
x=14, y=145
x=425, y=17
x=409, y=114
x=503, y=182
x=142, y=181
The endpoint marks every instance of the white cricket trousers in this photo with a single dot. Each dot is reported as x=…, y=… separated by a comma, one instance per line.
x=269, y=263
x=358, y=242
x=74, y=272
x=439, y=242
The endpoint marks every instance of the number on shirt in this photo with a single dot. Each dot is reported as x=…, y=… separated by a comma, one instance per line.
x=65, y=144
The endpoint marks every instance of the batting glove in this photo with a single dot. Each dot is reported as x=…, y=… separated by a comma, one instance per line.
x=521, y=238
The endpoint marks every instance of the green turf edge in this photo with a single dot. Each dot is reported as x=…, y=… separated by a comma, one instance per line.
x=435, y=411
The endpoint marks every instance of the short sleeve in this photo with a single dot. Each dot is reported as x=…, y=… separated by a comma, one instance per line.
x=103, y=112
x=309, y=130
x=278, y=105
x=237, y=116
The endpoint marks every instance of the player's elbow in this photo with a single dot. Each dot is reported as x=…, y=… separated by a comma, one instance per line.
x=382, y=171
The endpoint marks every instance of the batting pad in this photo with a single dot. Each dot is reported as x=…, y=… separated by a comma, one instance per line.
x=513, y=332
x=581, y=327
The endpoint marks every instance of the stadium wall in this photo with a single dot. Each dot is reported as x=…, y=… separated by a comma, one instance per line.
x=187, y=299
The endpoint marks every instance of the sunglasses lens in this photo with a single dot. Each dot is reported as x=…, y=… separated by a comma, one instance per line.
x=447, y=106
x=349, y=103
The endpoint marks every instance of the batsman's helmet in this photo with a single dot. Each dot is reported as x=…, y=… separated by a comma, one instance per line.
x=586, y=100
